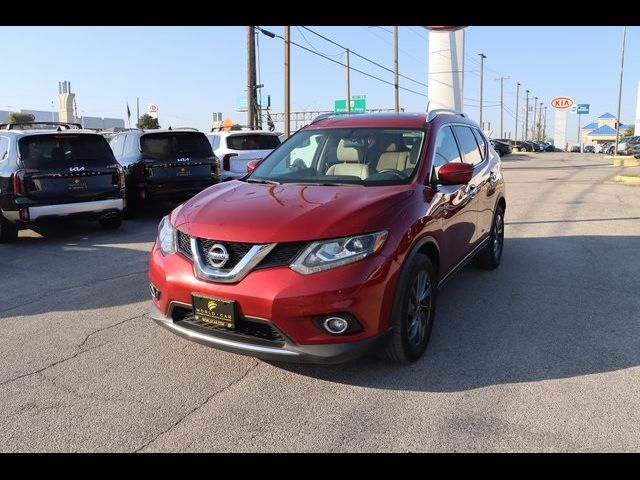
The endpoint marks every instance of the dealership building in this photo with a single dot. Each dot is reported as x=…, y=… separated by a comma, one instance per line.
x=601, y=131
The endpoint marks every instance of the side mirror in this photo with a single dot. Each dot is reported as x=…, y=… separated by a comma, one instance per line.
x=251, y=166
x=455, y=173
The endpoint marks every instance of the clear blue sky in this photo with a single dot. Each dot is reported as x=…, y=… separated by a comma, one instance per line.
x=190, y=72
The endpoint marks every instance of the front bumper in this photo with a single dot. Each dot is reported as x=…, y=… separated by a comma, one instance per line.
x=290, y=352
x=289, y=302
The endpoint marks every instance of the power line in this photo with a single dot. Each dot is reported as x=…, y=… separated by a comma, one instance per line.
x=363, y=57
x=273, y=35
x=309, y=43
x=372, y=32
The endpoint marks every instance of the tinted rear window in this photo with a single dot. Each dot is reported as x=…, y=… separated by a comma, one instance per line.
x=63, y=151
x=175, y=144
x=253, y=142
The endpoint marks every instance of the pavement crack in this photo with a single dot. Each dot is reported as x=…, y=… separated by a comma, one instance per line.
x=79, y=351
x=51, y=365
x=199, y=406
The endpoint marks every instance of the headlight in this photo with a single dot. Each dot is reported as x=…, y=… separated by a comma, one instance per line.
x=334, y=253
x=166, y=236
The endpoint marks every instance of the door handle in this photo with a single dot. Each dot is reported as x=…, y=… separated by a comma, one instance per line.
x=472, y=190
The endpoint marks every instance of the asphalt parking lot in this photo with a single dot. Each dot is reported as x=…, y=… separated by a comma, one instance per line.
x=542, y=354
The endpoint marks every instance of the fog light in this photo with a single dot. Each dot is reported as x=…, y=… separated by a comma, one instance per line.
x=155, y=293
x=336, y=325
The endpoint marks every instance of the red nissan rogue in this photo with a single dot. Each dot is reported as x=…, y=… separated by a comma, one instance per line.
x=336, y=243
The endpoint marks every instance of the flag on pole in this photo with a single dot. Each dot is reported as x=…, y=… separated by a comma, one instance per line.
x=128, y=111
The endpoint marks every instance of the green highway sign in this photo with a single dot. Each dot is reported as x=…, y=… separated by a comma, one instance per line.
x=358, y=104
x=583, y=108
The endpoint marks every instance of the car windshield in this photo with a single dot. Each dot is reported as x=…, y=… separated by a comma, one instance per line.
x=173, y=144
x=343, y=156
x=64, y=150
x=253, y=141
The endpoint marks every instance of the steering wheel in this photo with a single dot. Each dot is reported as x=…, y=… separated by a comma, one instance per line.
x=398, y=173
x=298, y=164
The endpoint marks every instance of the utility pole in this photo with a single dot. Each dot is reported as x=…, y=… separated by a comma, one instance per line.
x=624, y=35
x=515, y=137
x=137, y=110
x=287, y=80
x=538, y=127
x=251, y=77
x=348, y=84
x=544, y=130
x=579, y=136
x=502, y=79
x=526, y=119
x=533, y=123
x=482, y=57
x=395, y=64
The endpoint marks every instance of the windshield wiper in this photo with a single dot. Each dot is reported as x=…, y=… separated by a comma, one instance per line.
x=260, y=180
x=325, y=184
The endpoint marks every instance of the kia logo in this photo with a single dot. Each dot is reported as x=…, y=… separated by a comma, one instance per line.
x=76, y=169
x=184, y=159
x=218, y=255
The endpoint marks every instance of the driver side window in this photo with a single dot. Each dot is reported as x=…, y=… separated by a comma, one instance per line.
x=446, y=150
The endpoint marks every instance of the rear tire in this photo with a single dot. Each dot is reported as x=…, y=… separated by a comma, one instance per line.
x=413, y=312
x=489, y=257
x=8, y=231
x=111, y=223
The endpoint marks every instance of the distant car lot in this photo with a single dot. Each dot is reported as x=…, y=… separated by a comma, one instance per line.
x=85, y=369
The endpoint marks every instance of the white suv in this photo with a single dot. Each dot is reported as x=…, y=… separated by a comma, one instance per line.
x=236, y=148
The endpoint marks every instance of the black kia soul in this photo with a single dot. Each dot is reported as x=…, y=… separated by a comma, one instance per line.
x=51, y=170
x=164, y=165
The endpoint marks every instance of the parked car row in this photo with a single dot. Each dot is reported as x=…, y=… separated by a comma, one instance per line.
x=356, y=244
x=50, y=170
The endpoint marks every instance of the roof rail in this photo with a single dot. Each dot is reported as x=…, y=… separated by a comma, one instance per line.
x=185, y=128
x=439, y=111
x=324, y=116
x=67, y=125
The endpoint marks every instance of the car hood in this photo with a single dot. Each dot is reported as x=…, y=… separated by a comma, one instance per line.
x=258, y=213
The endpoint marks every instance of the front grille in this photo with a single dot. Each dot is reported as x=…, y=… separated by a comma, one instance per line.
x=282, y=254
x=184, y=244
x=236, y=251
x=246, y=330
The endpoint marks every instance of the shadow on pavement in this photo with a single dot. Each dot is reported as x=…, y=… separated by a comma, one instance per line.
x=557, y=307
x=75, y=265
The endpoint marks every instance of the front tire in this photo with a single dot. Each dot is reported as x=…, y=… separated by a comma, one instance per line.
x=8, y=231
x=413, y=312
x=489, y=257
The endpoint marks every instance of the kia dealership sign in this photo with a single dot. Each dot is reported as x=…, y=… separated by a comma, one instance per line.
x=562, y=103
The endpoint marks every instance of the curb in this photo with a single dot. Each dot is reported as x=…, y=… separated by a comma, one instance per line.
x=628, y=179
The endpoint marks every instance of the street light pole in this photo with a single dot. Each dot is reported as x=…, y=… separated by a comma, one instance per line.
x=482, y=57
x=502, y=79
x=533, y=123
x=526, y=119
x=348, y=84
x=395, y=62
x=287, y=79
x=515, y=137
x=624, y=36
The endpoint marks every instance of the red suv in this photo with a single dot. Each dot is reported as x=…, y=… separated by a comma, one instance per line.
x=336, y=243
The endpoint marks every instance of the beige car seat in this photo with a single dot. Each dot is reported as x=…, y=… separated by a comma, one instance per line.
x=350, y=159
